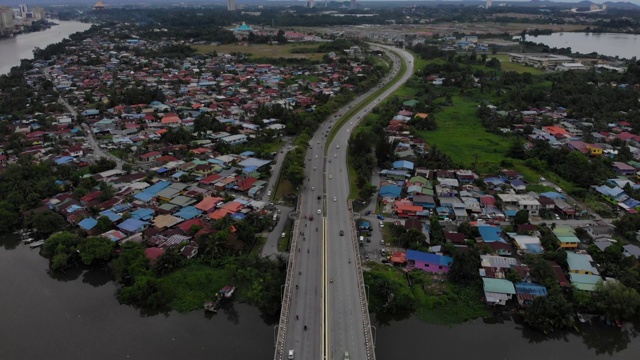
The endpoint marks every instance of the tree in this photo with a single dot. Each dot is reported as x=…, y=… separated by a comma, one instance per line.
x=10, y=217
x=464, y=269
x=412, y=238
x=47, y=222
x=617, y=300
x=104, y=224
x=521, y=218
x=550, y=312
x=169, y=261
x=96, y=249
x=61, y=249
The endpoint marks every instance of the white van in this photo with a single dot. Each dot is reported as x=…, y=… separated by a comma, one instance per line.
x=361, y=240
x=383, y=252
x=290, y=354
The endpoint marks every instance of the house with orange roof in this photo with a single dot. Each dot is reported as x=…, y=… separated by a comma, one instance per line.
x=218, y=214
x=405, y=208
x=171, y=119
x=233, y=207
x=556, y=131
x=208, y=204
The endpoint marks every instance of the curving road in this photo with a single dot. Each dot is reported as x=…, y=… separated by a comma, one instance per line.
x=346, y=315
x=333, y=312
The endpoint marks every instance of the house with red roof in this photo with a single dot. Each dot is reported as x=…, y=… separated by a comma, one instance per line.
x=208, y=204
x=150, y=156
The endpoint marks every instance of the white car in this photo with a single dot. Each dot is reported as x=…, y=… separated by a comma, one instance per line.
x=319, y=211
x=330, y=177
x=558, y=190
x=316, y=156
x=381, y=224
x=269, y=193
x=335, y=199
x=335, y=155
x=290, y=354
x=314, y=168
x=312, y=188
x=337, y=146
x=542, y=179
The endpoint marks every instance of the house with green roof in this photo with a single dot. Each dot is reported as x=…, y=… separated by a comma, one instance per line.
x=566, y=237
x=410, y=103
x=497, y=291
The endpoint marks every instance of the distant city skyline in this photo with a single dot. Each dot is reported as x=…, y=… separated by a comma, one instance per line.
x=16, y=3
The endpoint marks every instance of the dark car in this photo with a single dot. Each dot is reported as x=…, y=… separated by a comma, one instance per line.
x=380, y=217
x=341, y=233
x=319, y=197
x=367, y=212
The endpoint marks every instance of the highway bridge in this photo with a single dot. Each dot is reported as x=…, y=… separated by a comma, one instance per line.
x=324, y=309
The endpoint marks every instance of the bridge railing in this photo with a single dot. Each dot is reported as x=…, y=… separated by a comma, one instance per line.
x=364, y=302
x=286, y=296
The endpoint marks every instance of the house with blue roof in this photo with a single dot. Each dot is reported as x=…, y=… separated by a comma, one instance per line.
x=390, y=191
x=428, y=262
x=132, y=226
x=613, y=195
x=188, y=212
x=144, y=196
x=111, y=215
x=490, y=233
x=88, y=224
x=143, y=214
x=157, y=187
x=403, y=165
x=64, y=160
x=526, y=292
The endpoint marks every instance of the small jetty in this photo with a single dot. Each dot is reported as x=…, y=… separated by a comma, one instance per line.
x=28, y=240
x=222, y=296
x=36, y=244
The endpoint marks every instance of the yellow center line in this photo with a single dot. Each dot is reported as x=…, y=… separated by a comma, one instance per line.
x=325, y=312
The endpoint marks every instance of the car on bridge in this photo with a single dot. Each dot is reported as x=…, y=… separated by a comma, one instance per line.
x=341, y=232
x=291, y=354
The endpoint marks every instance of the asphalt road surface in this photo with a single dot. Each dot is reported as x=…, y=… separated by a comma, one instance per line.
x=345, y=327
x=325, y=274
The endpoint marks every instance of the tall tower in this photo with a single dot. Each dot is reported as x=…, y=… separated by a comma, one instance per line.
x=488, y=4
x=310, y=4
x=231, y=5
x=353, y=5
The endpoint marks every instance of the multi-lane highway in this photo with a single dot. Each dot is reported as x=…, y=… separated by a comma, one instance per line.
x=345, y=323
x=324, y=314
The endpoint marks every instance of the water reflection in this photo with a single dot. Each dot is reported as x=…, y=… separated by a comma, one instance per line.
x=9, y=242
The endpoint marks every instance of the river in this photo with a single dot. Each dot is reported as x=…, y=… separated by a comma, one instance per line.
x=78, y=317
x=609, y=44
x=19, y=47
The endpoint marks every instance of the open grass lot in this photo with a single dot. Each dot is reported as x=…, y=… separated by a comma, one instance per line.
x=519, y=68
x=195, y=284
x=462, y=136
x=262, y=50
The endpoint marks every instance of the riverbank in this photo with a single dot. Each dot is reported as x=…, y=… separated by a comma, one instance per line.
x=33, y=303
x=16, y=48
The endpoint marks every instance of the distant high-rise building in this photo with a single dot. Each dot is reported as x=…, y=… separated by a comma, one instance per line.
x=353, y=5
x=23, y=10
x=231, y=5
x=6, y=20
x=311, y=4
x=488, y=4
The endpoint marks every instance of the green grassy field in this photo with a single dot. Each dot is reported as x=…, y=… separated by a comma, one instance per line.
x=262, y=50
x=506, y=65
x=194, y=285
x=462, y=136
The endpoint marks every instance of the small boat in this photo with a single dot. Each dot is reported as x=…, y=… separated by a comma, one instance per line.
x=211, y=306
x=36, y=244
x=224, y=294
x=618, y=323
x=28, y=240
x=581, y=318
